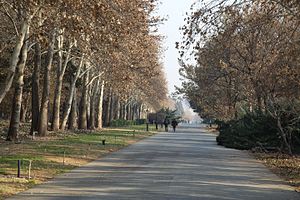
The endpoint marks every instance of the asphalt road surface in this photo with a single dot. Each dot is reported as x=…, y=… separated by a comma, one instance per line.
x=185, y=165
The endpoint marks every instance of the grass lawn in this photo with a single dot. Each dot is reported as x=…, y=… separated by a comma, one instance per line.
x=57, y=154
x=142, y=127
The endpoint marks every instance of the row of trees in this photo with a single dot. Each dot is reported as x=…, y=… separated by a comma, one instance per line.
x=78, y=63
x=247, y=59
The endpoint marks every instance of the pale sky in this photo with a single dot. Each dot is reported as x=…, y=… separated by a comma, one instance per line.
x=174, y=11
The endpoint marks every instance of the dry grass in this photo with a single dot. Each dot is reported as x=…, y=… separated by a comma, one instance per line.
x=286, y=167
x=212, y=130
x=13, y=185
x=55, y=154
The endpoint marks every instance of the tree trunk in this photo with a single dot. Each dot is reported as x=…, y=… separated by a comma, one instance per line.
x=24, y=108
x=14, y=60
x=129, y=111
x=92, y=115
x=35, y=100
x=88, y=103
x=126, y=111
x=61, y=68
x=111, y=109
x=100, y=107
x=126, y=107
x=121, y=110
x=284, y=137
x=70, y=98
x=92, y=118
x=43, y=118
x=135, y=111
x=17, y=99
x=117, y=108
x=140, y=111
x=82, y=121
x=73, y=114
x=107, y=110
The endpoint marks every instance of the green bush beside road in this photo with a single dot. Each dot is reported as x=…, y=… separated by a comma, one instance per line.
x=255, y=130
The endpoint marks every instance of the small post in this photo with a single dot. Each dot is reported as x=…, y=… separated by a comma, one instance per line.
x=33, y=135
x=19, y=169
x=147, y=126
x=29, y=169
x=64, y=157
x=156, y=126
x=103, y=142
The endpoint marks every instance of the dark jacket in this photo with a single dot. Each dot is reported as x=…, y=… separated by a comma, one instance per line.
x=174, y=123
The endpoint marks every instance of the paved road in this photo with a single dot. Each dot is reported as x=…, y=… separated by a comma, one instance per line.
x=185, y=165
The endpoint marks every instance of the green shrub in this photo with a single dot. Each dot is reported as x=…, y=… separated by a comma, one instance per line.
x=122, y=122
x=140, y=121
x=252, y=130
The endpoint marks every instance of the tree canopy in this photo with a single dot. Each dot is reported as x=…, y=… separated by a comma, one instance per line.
x=246, y=59
x=104, y=53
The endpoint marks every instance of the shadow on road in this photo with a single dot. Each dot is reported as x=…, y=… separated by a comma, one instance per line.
x=183, y=165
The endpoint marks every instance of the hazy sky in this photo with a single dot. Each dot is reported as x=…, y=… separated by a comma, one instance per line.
x=174, y=11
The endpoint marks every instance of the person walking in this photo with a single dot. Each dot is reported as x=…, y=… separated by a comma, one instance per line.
x=166, y=123
x=174, y=124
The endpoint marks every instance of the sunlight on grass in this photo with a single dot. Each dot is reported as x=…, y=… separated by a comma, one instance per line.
x=57, y=154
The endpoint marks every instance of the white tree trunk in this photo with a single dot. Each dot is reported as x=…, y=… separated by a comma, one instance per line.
x=14, y=60
x=43, y=118
x=70, y=98
x=61, y=68
x=100, y=107
x=17, y=99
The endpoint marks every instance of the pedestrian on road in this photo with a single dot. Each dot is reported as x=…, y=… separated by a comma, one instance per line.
x=166, y=123
x=174, y=124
